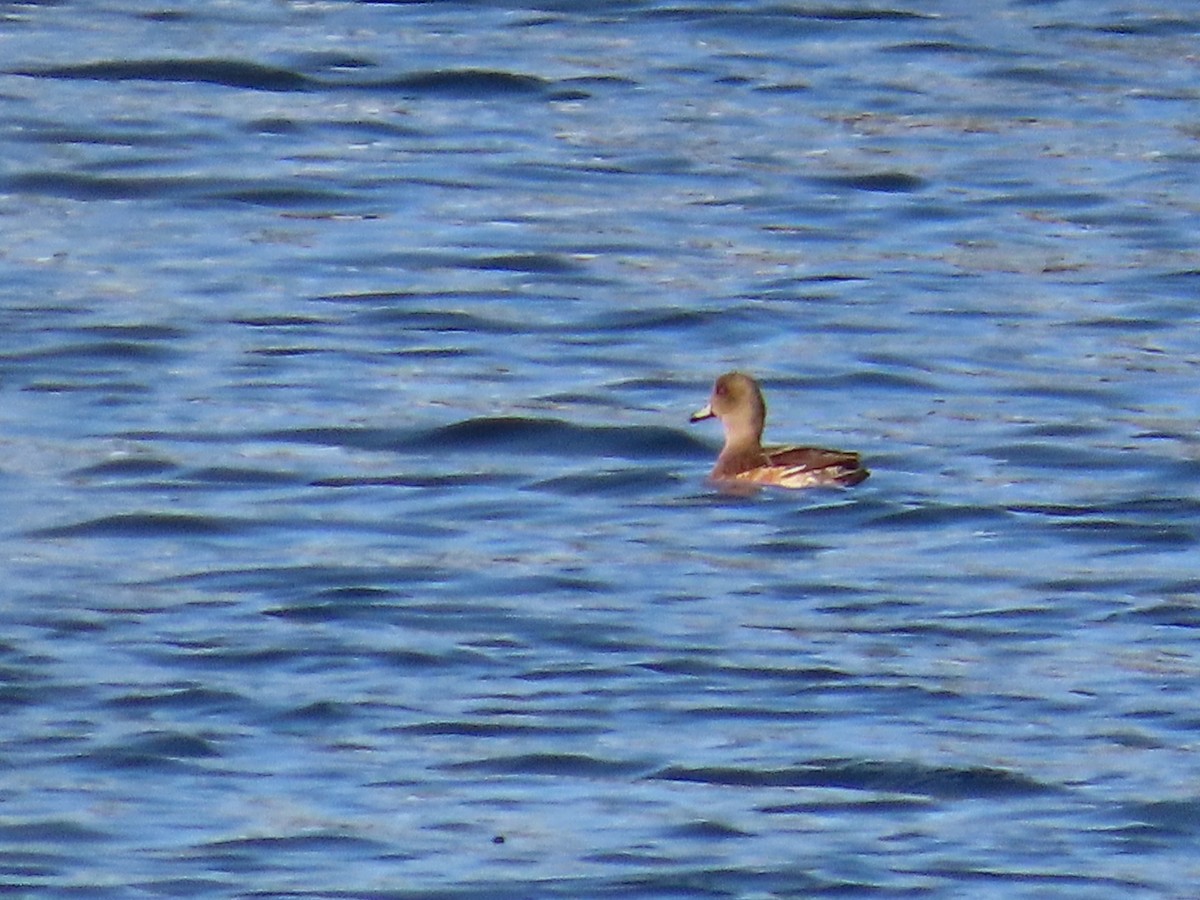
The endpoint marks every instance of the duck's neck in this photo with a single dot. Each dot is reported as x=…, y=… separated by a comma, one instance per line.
x=740, y=454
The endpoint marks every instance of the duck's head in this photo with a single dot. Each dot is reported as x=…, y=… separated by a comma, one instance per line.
x=738, y=402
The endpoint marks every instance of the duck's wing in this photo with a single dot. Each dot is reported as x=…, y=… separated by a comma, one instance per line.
x=804, y=466
x=809, y=457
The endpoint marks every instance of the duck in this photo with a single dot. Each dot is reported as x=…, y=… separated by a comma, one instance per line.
x=738, y=402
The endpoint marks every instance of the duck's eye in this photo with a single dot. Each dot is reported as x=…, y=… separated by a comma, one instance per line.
x=721, y=390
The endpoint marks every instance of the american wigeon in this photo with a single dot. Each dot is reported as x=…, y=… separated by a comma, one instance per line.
x=738, y=402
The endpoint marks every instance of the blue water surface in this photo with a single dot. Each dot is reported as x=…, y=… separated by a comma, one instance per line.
x=356, y=541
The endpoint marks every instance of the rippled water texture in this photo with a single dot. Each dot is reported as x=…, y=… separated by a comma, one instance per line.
x=356, y=541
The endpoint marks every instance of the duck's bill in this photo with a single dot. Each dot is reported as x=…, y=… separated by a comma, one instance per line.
x=701, y=414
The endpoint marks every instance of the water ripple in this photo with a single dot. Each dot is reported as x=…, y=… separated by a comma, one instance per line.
x=228, y=72
x=357, y=538
x=901, y=778
x=147, y=524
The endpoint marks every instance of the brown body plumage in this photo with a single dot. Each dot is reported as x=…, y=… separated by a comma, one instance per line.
x=738, y=402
